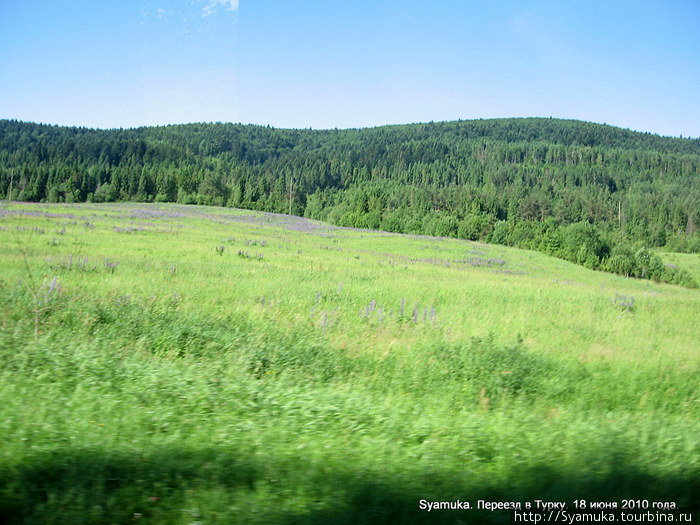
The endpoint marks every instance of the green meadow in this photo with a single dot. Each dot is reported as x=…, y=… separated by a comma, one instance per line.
x=181, y=364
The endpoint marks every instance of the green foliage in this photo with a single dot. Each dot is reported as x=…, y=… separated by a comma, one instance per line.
x=683, y=243
x=582, y=244
x=622, y=261
x=485, y=370
x=456, y=179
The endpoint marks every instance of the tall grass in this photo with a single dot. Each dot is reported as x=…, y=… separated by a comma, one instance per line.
x=248, y=390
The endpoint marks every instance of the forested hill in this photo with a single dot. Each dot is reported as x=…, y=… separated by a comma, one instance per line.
x=591, y=193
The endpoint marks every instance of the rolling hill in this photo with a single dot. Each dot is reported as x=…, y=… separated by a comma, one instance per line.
x=590, y=193
x=171, y=364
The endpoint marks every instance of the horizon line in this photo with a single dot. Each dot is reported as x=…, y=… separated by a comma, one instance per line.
x=127, y=128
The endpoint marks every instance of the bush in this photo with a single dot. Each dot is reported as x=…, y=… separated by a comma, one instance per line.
x=499, y=372
x=683, y=243
x=475, y=226
x=621, y=261
x=582, y=244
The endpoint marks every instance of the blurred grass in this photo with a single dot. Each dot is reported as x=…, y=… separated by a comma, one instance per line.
x=339, y=378
x=688, y=261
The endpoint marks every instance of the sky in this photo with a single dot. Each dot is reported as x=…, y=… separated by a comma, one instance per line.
x=351, y=63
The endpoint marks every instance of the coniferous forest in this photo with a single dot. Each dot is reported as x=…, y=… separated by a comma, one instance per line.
x=594, y=194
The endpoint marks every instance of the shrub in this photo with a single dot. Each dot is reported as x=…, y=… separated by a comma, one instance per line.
x=582, y=244
x=499, y=372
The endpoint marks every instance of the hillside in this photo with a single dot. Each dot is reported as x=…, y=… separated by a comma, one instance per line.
x=176, y=364
x=590, y=193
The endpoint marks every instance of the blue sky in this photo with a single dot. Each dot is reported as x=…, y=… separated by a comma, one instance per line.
x=325, y=64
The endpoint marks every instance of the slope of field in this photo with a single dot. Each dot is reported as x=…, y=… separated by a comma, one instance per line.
x=523, y=182
x=179, y=364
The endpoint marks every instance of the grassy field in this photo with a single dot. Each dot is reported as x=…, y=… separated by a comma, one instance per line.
x=688, y=261
x=181, y=364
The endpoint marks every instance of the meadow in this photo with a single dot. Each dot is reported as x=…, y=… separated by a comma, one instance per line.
x=166, y=363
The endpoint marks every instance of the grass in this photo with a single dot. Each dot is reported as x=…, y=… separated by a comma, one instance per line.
x=688, y=261
x=177, y=364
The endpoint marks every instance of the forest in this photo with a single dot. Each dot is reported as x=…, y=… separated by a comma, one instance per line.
x=594, y=194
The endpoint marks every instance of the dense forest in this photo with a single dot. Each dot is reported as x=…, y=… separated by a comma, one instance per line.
x=594, y=194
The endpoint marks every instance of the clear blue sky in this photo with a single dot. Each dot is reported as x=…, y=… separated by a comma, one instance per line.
x=325, y=63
